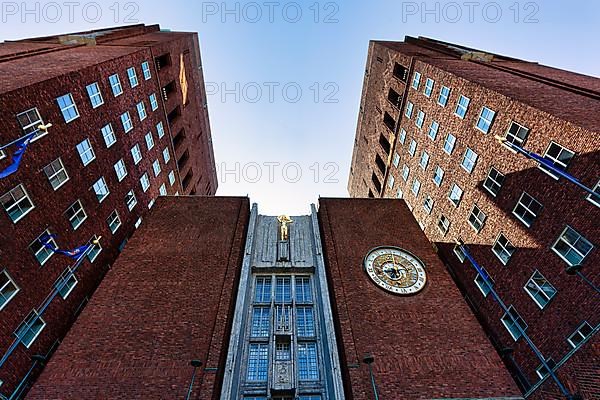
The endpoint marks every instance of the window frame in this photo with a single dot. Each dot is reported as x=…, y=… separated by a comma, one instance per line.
x=428, y=204
x=141, y=110
x=101, y=184
x=504, y=248
x=114, y=84
x=67, y=108
x=527, y=209
x=457, y=203
x=540, y=290
x=580, y=236
x=126, y=122
x=435, y=131
x=130, y=202
x=578, y=332
x=156, y=168
x=416, y=183
x=75, y=215
x=149, y=141
x=477, y=216
x=469, y=160
x=153, y=102
x=515, y=139
x=428, y=90
x=438, y=168
x=94, y=95
x=145, y=182
x=444, y=222
x=16, y=203
x=136, y=154
x=31, y=125
x=461, y=106
x=71, y=286
x=34, y=316
x=132, y=77
x=420, y=120
x=55, y=173
x=90, y=149
x=120, y=170
x=9, y=281
x=416, y=81
x=446, y=97
x=112, y=220
x=410, y=107
x=147, y=74
x=488, y=120
x=108, y=131
x=556, y=161
x=494, y=180
x=514, y=322
x=447, y=141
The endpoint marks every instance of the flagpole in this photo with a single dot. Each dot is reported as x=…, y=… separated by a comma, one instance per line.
x=40, y=127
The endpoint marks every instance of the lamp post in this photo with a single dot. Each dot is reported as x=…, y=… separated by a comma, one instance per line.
x=576, y=270
x=195, y=364
x=368, y=359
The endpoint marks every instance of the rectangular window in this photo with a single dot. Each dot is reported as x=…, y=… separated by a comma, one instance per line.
x=433, y=130
x=540, y=290
x=113, y=221
x=145, y=182
x=428, y=87
x=156, y=167
x=595, y=200
x=126, y=121
x=462, y=106
x=56, y=173
x=409, y=109
x=308, y=367
x=542, y=371
x=8, y=289
x=477, y=218
x=438, y=176
x=68, y=107
x=444, y=95
x=146, y=70
x=30, y=121
x=416, y=80
x=402, y=136
x=115, y=84
x=149, y=141
x=494, y=181
x=95, y=250
x=262, y=291
x=160, y=130
x=517, y=134
x=424, y=160
x=153, y=102
x=412, y=147
x=76, y=214
x=503, y=249
x=416, y=187
x=141, y=109
x=95, y=95
x=428, y=204
x=151, y=204
x=101, y=189
x=396, y=160
x=572, y=247
x=459, y=253
x=41, y=253
x=469, y=160
x=120, y=170
x=30, y=329
x=559, y=156
x=166, y=155
x=449, y=143
x=136, y=154
x=283, y=290
x=527, y=209
x=443, y=224
x=258, y=360
x=162, y=190
x=303, y=290
x=420, y=119
x=405, y=172
x=261, y=321
x=305, y=321
x=283, y=352
x=132, y=75
x=455, y=194
x=391, y=181
x=109, y=135
x=486, y=118
x=485, y=286
x=17, y=203
x=514, y=323
x=580, y=334
x=138, y=222
x=130, y=200
x=65, y=283
x=171, y=178
x=86, y=152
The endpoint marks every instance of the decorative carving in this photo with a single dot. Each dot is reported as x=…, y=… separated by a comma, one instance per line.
x=284, y=221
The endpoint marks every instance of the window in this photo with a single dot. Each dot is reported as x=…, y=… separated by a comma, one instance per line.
x=65, y=283
x=433, y=130
x=30, y=121
x=160, y=130
x=308, y=367
x=486, y=118
x=540, y=290
x=494, y=181
x=8, y=289
x=162, y=190
x=115, y=84
x=153, y=102
x=396, y=160
x=146, y=70
x=283, y=290
x=113, y=221
x=86, y=152
x=283, y=353
x=469, y=160
x=261, y=321
x=136, y=154
x=449, y=143
x=409, y=109
x=559, y=156
x=405, y=172
x=262, y=291
x=68, y=107
x=258, y=362
x=141, y=109
x=56, y=173
x=438, y=176
x=444, y=95
x=420, y=119
x=477, y=218
x=402, y=136
x=138, y=222
x=399, y=194
x=572, y=247
x=30, y=329
x=514, y=323
x=156, y=167
x=517, y=134
x=76, y=214
x=485, y=286
x=166, y=155
x=95, y=95
x=149, y=141
x=151, y=204
x=171, y=178
x=131, y=74
x=400, y=72
x=503, y=249
x=412, y=147
x=126, y=122
x=462, y=106
x=145, y=182
x=595, y=200
x=101, y=189
x=303, y=289
x=459, y=253
x=95, y=250
x=130, y=200
x=424, y=160
x=416, y=80
x=41, y=253
x=109, y=135
x=428, y=87
x=455, y=194
x=416, y=186
x=580, y=334
x=120, y=170
x=428, y=204
x=443, y=224
x=391, y=181
x=527, y=209
x=17, y=203
x=542, y=371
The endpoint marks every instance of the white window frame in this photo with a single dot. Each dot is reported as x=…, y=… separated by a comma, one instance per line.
x=115, y=85
x=556, y=161
x=444, y=96
x=443, y=222
x=489, y=176
x=145, y=182
x=69, y=282
x=416, y=81
x=166, y=155
x=113, y=219
x=572, y=248
x=458, y=252
x=429, y=84
x=146, y=71
x=32, y=124
x=526, y=207
x=93, y=91
x=483, y=286
x=408, y=112
x=172, y=178
x=92, y=255
x=424, y=161
x=68, y=107
x=17, y=203
x=486, y=120
x=141, y=109
x=136, y=153
x=149, y=140
x=416, y=184
x=504, y=248
x=479, y=216
x=120, y=170
x=428, y=204
x=130, y=200
x=469, y=160
x=514, y=322
x=396, y=159
x=452, y=192
x=153, y=102
x=3, y=289
x=56, y=173
x=33, y=315
x=420, y=120
x=162, y=190
x=391, y=181
x=76, y=214
x=405, y=172
x=547, y=297
x=512, y=137
x=156, y=168
x=436, y=174
x=412, y=148
x=99, y=185
x=108, y=133
x=595, y=200
x=402, y=136
x=434, y=130
x=48, y=252
x=578, y=332
x=461, y=106
x=160, y=129
x=84, y=148
x=126, y=122
x=132, y=76
x=138, y=223
x=449, y=143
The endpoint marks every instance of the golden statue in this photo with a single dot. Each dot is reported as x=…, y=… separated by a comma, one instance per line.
x=284, y=221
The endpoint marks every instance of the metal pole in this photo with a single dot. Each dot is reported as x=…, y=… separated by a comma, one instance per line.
x=40, y=127
x=195, y=364
x=368, y=359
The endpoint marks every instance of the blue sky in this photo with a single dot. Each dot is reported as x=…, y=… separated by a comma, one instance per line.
x=293, y=71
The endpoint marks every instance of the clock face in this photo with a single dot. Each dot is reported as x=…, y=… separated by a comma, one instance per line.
x=395, y=270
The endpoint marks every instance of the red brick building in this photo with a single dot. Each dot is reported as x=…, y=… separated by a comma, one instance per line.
x=187, y=284
x=429, y=116
x=129, y=122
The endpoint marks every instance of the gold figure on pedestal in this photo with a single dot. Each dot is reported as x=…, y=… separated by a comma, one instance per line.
x=284, y=221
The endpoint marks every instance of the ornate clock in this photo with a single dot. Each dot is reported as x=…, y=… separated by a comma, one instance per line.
x=395, y=270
